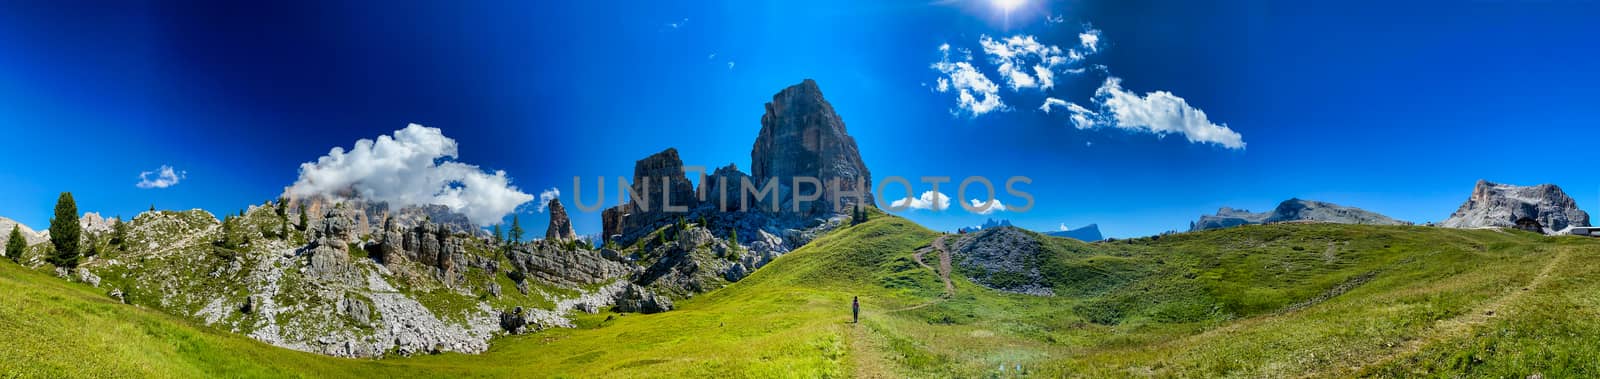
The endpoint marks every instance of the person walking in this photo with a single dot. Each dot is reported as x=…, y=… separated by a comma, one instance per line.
x=855, y=310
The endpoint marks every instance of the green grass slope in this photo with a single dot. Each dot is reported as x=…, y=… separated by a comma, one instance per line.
x=1255, y=301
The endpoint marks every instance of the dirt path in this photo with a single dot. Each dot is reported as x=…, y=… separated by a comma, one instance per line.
x=944, y=264
x=1444, y=330
x=867, y=354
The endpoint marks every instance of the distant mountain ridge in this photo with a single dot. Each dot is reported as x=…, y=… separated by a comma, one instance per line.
x=1087, y=233
x=1502, y=205
x=1294, y=209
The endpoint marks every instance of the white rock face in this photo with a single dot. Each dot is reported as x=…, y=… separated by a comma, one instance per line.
x=28, y=234
x=1501, y=205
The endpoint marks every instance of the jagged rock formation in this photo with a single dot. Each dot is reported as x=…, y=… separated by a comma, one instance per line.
x=552, y=263
x=560, y=226
x=987, y=224
x=1501, y=205
x=801, y=136
x=1294, y=210
x=661, y=194
x=436, y=247
x=1090, y=233
x=1003, y=258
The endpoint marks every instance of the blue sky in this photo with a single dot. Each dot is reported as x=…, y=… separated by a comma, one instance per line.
x=1397, y=108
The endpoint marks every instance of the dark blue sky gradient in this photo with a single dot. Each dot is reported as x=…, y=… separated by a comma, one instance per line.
x=1394, y=108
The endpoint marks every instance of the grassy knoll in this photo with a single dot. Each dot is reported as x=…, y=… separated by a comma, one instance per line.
x=1255, y=301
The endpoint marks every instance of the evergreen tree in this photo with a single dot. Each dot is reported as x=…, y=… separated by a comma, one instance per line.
x=65, y=232
x=15, y=244
x=499, y=237
x=227, y=232
x=516, y=230
x=303, y=220
x=283, y=208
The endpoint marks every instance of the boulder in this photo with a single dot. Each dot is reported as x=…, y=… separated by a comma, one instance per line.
x=634, y=298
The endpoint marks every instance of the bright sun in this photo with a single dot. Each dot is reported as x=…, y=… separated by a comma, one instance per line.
x=1007, y=5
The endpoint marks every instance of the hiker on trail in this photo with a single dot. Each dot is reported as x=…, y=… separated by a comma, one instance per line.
x=855, y=310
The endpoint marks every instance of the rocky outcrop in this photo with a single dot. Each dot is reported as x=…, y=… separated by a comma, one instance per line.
x=663, y=192
x=636, y=299
x=1294, y=210
x=1003, y=258
x=1090, y=233
x=801, y=136
x=560, y=226
x=28, y=234
x=552, y=263
x=1501, y=205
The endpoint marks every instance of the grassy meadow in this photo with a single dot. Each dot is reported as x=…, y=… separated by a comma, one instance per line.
x=1257, y=301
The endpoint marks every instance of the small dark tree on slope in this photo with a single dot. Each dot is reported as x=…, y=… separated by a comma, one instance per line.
x=65, y=232
x=15, y=244
x=499, y=236
x=119, y=234
x=516, y=230
x=303, y=220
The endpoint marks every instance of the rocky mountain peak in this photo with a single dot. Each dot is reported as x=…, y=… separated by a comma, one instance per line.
x=1501, y=205
x=1294, y=209
x=801, y=135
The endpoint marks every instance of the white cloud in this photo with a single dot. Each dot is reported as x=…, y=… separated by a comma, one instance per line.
x=547, y=195
x=1090, y=39
x=1012, y=57
x=925, y=201
x=975, y=93
x=1064, y=227
x=1056, y=19
x=165, y=177
x=1161, y=113
x=1082, y=118
x=679, y=24
x=994, y=206
x=730, y=65
x=410, y=168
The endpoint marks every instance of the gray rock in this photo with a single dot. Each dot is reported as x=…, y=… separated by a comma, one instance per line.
x=1003, y=258
x=560, y=227
x=1501, y=205
x=634, y=298
x=1294, y=210
x=802, y=136
x=551, y=262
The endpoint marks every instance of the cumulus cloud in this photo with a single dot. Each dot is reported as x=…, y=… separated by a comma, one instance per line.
x=1162, y=113
x=929, y=200
x=1024, y=62
x=545, y=196
x=1064, y=227
x=165, y=177
x=415, y=166
x=975, y=93
x=994, y=206
x=1090, y=39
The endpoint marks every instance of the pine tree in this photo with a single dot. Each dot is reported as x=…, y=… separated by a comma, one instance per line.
x=303, y=220
x=499, y=237
x=15, y=244
x=283, y=208
x=516, y=230
x=65, y=232
x=119, y=234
